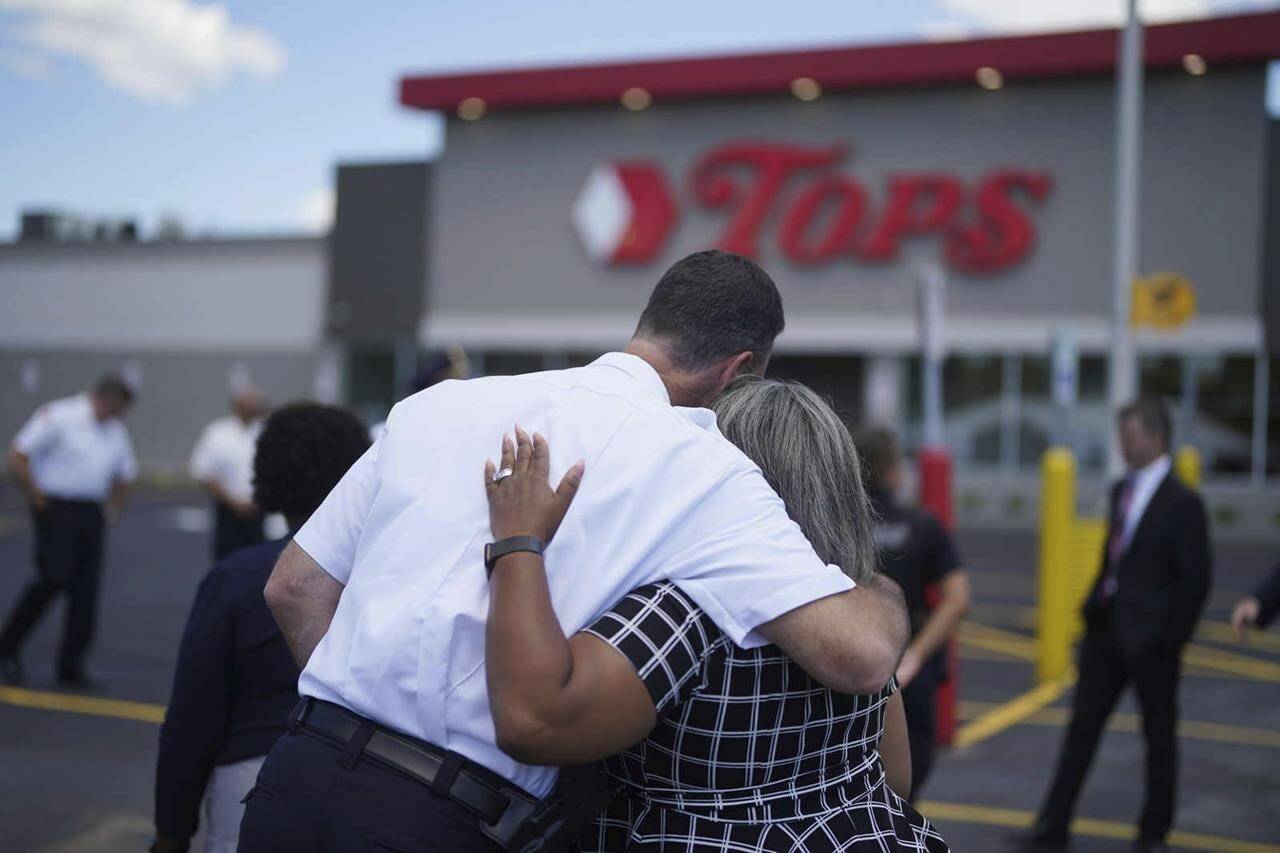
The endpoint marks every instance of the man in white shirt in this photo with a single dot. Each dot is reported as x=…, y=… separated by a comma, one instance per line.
x=223, y=463
x=74, y=462
x=383, y=593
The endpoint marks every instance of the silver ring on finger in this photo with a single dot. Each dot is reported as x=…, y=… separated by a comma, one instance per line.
x=502, y=475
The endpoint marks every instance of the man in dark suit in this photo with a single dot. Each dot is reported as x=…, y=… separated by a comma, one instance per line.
x=1140, y=613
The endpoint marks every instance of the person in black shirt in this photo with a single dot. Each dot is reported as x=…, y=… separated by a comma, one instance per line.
x=917, y=553
x=236, y=681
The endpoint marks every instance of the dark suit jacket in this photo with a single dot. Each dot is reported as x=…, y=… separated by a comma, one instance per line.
x=1163, y=576
x=1268, y=596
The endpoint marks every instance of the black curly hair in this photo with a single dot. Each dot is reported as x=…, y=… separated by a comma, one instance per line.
x=303, y=451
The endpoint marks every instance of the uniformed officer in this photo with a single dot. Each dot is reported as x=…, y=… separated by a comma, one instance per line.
x=223, y=463
x=918, y=553
x=74, y=462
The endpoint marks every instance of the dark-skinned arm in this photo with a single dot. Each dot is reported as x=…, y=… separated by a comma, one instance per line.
x=555, y=700
x=895, y=747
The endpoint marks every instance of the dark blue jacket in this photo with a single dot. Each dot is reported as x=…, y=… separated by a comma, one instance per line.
x=233, y=689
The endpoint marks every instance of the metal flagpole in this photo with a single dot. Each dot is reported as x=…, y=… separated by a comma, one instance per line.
x=1121, y=386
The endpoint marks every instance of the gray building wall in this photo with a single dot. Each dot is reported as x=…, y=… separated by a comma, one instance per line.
x=506, y=256
x=186, y=321
x=219, y=294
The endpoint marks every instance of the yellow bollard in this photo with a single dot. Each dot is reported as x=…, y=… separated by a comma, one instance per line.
x=1187, y=463
x=1057, y=519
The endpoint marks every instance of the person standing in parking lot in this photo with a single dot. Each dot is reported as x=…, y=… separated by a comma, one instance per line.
x=1142, y=610
x=74, y=462
x=223, y=463
x=919, y=554
x=235, y=680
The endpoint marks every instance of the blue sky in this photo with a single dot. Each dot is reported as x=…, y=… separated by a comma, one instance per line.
x=231, y=116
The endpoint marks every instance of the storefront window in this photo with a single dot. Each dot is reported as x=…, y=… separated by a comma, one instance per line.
x=971, y=392
x=1083, y=427
x=512, y=363
x=1273, y=418
x=371, y=381
x=838, y=378
x=1221, y=426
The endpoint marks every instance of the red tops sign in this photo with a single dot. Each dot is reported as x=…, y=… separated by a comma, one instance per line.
x=625, y=212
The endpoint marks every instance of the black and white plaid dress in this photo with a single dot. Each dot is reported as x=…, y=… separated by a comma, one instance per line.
x=749, y=753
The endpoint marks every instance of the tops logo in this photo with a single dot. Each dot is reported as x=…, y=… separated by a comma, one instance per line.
x=625, y=211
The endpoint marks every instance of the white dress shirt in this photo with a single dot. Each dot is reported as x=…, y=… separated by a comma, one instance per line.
x=1145, y=482
x=224, y=454
x=665, y=496
x=72, y=454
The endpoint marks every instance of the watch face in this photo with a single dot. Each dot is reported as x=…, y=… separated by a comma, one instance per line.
x=488, y=551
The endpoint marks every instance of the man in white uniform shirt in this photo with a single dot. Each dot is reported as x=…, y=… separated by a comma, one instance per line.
x=383, y=593
x=223, y=463
x=74, y=462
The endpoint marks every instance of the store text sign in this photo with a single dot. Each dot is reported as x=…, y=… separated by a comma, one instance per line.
x=816, y=212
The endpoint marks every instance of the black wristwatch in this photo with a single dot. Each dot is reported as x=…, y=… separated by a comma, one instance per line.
x=510, y=545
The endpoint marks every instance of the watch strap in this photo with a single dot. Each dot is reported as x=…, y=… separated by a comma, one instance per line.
x=495, y=550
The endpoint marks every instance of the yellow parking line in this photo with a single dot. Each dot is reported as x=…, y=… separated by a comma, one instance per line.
x=996, y=640
x=1011, y=713
x=1222, y=632
x=120, y=832
x=1021, y=646
x=48, y=701
x=1015, y=818
x=1028, y=706
x=1239, y=665
x=1126, y=722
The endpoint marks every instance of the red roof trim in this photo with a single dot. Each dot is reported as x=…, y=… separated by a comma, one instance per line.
x=1221, y=41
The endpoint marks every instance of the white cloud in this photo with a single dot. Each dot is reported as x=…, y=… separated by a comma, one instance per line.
x=316, y=210
x=162, y=50
x=1004, y=15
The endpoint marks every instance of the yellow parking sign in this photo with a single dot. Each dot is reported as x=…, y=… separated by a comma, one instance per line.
x=1162, y=300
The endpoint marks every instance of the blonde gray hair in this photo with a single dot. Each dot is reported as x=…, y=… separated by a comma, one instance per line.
x=808, y=456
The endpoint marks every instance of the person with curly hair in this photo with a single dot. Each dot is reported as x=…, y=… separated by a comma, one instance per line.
x=235, y=680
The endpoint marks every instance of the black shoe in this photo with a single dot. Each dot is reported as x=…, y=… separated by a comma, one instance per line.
x=1041, y=837
x=1149, y=845
x=11, y=670
x=78, y=680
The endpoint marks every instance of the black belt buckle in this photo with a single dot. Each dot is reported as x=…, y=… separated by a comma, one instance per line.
x=513, y=826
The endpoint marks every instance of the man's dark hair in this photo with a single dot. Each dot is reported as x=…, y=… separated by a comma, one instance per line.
x=880, y=454
x=712, y=305
x=1153, y=414
x=113, y=385
x=303, y=451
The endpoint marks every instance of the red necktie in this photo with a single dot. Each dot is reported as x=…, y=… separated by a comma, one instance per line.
x=1115, y=543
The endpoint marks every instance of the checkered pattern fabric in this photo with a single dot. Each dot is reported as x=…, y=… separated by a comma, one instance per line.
x=749, y=753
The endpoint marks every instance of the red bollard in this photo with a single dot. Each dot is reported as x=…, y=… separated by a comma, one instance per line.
x=935, y=496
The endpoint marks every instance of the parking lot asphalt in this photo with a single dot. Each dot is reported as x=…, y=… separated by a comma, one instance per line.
x=78, y=770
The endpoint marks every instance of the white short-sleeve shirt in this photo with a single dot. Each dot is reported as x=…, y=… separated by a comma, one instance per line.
x=72, y=454
x=665, y=496
x=224, y=454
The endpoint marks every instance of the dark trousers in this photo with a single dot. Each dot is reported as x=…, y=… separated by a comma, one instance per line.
x=316, y=794
x=68, y=557
x=231, y=532
x=1104, y=672
x=919, y=700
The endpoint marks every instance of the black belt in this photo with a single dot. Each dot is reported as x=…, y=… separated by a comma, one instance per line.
x=86, y=503
x=501, y=808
